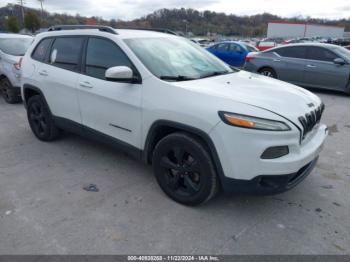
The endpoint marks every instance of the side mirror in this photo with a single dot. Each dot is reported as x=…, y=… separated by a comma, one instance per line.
x=120, y=74
x=339, y=61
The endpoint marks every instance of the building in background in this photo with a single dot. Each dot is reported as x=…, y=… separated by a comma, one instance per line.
x=294, y=30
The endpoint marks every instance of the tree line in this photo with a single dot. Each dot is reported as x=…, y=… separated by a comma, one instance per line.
x=183, y=20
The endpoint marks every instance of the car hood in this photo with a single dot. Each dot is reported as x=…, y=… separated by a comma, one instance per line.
x=286, y=100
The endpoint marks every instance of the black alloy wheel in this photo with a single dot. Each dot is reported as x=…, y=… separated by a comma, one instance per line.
x=184, y=169
x=40, y=119
x=10, y=95
x=269, y=72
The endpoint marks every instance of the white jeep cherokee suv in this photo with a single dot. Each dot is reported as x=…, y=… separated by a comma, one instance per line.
x=161, y=98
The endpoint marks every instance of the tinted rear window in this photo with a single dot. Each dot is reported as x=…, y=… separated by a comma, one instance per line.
x=222, y=47
x=41, y=50
x=15, y=46
x=65, y=53
x=292, y=52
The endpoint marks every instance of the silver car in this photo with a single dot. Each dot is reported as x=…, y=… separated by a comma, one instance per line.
x=12, y=48
x=309, y=65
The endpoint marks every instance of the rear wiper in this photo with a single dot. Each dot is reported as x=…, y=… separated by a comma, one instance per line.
x=177, y=78
x=215, y=73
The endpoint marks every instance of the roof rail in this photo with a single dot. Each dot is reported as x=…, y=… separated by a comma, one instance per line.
x=160, y=30
x=75, y=27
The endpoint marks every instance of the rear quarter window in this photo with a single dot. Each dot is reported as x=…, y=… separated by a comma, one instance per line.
x=292, y=52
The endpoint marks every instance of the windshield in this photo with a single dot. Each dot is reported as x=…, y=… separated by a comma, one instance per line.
x=342, y=51
x=176, y=59
x=15, y=46
x=251, y=48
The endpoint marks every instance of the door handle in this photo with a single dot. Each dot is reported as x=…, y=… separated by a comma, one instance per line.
x=311, y=66
x=43, y=73
x=277, y=60
x=85, y=85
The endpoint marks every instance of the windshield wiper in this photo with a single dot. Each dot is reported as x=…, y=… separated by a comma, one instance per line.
x=216, y=73
x=177, y=78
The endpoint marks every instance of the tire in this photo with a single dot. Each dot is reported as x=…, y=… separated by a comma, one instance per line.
x=347, y=89
x=184, y=169
x=269, y=72
x=40, y=119
x=10, y=95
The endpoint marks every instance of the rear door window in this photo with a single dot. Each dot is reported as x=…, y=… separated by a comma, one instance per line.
x=41, y=49
x=292, y=52
x=320, y=54
x=235, y=48
x=222, y=47
x=66, y=53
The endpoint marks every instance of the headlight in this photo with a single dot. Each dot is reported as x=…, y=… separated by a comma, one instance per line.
x=252, y=122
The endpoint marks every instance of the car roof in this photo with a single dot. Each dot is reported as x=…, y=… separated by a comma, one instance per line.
x=5, y=35
x=231, y=42
x=120, y=33
x=242, y=44
x=328, y=46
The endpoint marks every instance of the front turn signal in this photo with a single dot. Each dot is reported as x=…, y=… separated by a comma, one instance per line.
x=252, y=122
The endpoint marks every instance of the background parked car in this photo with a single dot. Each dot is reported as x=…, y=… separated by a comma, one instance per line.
x=298, y=41
x=310, y=65
x=347, y=47
x=265, y=45
x=12, y=48
x=202, y=42
x=341, y=41
x=233, y=53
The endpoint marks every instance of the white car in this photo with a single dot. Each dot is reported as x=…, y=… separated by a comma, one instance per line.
x=12, y=48
x=165, y=100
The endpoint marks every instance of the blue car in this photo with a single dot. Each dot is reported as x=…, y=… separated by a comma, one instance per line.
x=233, y=53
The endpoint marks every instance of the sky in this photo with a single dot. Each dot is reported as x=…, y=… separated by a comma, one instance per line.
x=130, y=9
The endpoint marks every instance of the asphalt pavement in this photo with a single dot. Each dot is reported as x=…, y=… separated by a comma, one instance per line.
x=44, y=208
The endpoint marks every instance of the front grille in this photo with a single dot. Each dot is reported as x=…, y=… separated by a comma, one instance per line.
x=310, y=120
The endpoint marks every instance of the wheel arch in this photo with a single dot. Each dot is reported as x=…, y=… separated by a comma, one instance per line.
x=268, y=67
x=162, y=128
x=347, y=87
x=2, y=77
x=29, y=91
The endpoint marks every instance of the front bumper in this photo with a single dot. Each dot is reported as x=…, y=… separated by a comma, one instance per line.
x=243, y=169
x=250, y=67
x=267, y=184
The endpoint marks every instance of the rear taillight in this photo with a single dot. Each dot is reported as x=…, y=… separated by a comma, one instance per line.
x=249, y=58
x=19, y=64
